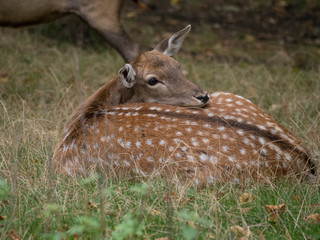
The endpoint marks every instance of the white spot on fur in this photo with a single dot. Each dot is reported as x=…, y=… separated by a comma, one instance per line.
x=149, y=142
x=231, y=158
x=203, y=157
x=245, y=141
x=138, y=144
x=137, y=108
x=221, y=128
x=150, y=159
x=190, y=158
x=126, y=163
x=155, y=108
x=95, y=146
x=225, y=148
x=240, y=132
x=216, y=136
x=242, y=151
x=119, y=140
x=162, y=142
x=262, y=127
x=205, y=140
x=212, y=159
x=188, y=129
x=262, y=140
x=239, y=120
x=200, y=133
x=288, y=156
x=210, y=179
x=263, y=151
x=194, y=142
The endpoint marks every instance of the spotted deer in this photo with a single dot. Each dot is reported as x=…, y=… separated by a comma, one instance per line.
x=228, y=139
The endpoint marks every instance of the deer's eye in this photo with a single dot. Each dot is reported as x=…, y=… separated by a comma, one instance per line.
x=152, y=81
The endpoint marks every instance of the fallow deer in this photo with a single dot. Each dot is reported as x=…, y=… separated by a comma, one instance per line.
x=102, y=15
x=151, y=77
x=229, y=139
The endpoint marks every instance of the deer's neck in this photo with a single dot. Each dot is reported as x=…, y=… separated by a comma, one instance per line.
x=112, y=93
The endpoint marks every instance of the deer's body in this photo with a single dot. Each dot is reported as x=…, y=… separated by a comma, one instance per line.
x=230, y=139
x=130, y=128
x=102, y=15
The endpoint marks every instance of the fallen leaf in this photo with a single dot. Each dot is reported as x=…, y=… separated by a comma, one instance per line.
x=12, y=235
x=260, y=236
x=187, y=200
x=210, y=236
x=75, y=236
x=169, y=195
x=4, y=79
x=141, y=5
x=3, y=218
x=240, y=232
x=296, y=198
x=174, y=2
x=191, y=224
x=246, y=198
x=155, y=212
x=162, y=238
x=315, y=205
x=313, y=218
x=274, y=211
x=4, y=76
x=92, y=205
x=245, y=210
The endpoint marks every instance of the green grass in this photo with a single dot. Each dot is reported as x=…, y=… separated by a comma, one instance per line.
x=43, y=79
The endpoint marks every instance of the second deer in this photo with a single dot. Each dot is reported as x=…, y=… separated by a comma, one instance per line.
x=229, y=139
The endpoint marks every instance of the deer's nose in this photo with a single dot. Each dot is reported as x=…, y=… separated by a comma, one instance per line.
x=204, y=98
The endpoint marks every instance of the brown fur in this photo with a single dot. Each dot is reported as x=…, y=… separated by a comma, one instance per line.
x=102, y=15
x=177, y=91
x=231, y=139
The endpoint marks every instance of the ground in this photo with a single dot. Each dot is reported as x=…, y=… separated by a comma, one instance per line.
x=266, y=51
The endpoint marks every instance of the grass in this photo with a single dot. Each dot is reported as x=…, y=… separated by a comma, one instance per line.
x=42, y=79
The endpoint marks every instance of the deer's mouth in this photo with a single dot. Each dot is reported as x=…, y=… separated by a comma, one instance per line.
x=198, y=101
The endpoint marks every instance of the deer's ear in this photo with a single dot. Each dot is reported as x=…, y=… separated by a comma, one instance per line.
x=127, y=75
x=170, y=46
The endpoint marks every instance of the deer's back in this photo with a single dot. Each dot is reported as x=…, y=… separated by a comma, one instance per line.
x=230, y=139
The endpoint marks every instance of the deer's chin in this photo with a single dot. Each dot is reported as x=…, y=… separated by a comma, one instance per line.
x=200, y=105
x=192, y=103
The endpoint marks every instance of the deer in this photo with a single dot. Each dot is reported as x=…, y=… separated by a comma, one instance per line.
x=153, y=76
x=102, y=15
x=194, y=138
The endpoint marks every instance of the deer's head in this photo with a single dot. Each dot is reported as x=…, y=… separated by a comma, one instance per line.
x=155, y=76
